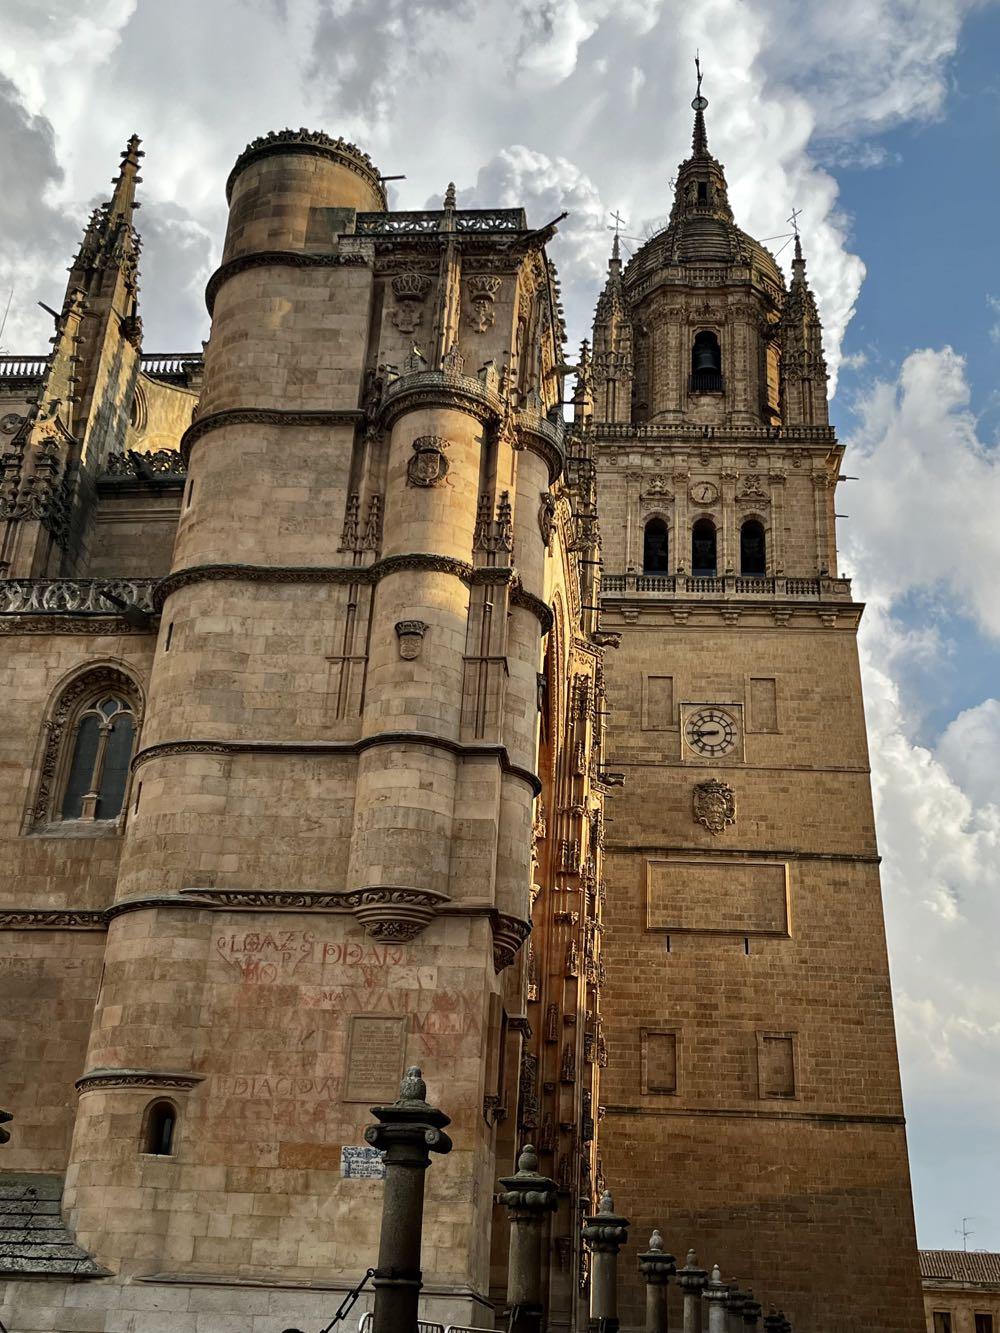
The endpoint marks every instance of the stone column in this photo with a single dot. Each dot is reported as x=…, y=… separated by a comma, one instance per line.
x=692, y=1281
x=657, y=1267
x=716, y=1292
x=529, y=1197
x=605, y=1234
x=409, y=1131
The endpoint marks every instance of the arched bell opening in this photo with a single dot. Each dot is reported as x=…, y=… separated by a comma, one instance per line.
x=753, y=549
x=704, y=559
x=656, y=547
x=706, y=363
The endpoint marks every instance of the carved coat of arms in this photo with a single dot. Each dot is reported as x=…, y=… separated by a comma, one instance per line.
x=714, y=805
x=428, y=466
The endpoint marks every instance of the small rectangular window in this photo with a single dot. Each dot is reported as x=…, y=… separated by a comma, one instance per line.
x=942, y=1321
x=763, y=704
x=190, y=493
x=659, y=1061
x=776, y=1064
x=984, y=1323
x=658, y=703
x=170, y=635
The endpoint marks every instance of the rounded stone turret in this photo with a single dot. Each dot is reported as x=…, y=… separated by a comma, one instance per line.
x=281, y=178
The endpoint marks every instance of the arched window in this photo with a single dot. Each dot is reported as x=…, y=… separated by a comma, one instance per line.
x=703, y=557
x=89, y=741
x=158, y=1131
x=753, y=549
x=655, y=548
x=706, y=363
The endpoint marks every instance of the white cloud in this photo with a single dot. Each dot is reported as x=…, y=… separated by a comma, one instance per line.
x=923, y=513
x=924, y=477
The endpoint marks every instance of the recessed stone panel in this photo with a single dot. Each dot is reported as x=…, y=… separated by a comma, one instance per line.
x=375, y=1058
x=717, y=896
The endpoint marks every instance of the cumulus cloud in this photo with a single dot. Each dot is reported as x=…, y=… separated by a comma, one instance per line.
x=441, y=88
x=924, y=513
x=916, y=541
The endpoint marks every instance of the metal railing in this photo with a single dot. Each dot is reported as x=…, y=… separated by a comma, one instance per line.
x=366, y=1321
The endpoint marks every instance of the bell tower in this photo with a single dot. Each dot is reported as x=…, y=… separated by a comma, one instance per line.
x=752, y=1097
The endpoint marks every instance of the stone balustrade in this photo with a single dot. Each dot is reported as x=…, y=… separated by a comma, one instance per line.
x=92, y=597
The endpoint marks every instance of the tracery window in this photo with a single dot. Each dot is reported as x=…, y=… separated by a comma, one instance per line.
x=753, y=549
x=655, y=548
x=89, y=742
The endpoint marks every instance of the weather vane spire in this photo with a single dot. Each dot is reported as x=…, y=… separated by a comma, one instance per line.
x=699, y=141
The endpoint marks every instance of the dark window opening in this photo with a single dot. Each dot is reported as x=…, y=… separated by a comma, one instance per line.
x=656, y=548
x=984, y=1323
x=703, y=558
x=160, y=1122
x=942, y=1321
x=706, y=363
x=753, y=552
x=703, y=192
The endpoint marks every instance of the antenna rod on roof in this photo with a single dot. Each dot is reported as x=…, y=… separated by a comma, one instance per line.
x=6, y=312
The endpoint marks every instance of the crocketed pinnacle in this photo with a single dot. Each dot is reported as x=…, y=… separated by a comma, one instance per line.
x=123, y=203
x=699, y=137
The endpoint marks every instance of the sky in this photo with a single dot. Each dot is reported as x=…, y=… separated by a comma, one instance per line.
x=879, y=119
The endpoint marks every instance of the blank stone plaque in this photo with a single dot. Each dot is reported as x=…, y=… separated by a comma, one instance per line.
x=375, y=1058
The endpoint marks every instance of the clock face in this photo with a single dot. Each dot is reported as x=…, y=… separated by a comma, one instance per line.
x=711, y=731
x=704, y=492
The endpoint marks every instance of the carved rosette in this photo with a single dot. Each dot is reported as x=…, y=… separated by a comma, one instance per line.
x=483, y=289
x=410, y=634
x=509, y=934
x=396, y=914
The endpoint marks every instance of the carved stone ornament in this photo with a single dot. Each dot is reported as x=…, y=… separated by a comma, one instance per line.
x=483, y=289
x=428, y=466
x=546, y=517
x=509, y=933
x=714, y=805
x=396, y=914
x=410, y=634
x=10, y=423
x=410, y=290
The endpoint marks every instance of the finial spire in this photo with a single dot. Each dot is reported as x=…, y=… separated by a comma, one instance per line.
x=123, y=197
x=699, y=139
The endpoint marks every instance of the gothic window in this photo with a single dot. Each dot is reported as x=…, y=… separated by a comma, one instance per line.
x=158, y=1129
x=706, y=363
x=753, y=551
x=655, y=548
x=703, y=558
x=703, y=192
x=89, y=742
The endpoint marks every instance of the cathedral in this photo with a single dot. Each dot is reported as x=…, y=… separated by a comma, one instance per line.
x=383, y=689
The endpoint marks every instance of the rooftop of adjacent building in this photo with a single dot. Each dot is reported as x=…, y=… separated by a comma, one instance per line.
x=960, y=1267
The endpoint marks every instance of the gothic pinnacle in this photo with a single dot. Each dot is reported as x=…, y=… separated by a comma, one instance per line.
x=123, y=202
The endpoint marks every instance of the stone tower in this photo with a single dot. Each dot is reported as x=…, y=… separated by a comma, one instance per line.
x=752, y=1093
x=307, y=741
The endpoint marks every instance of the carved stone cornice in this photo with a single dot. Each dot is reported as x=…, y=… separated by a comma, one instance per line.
x=51, y=918
x=264, y=416
x=100, y=1079
x=369, y=574
x=313, y=143
x=167, y=749
x=441, y=389
x=72, y=624
x=270, y=259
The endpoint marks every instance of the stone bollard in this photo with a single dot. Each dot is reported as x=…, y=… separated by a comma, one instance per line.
x=409, y=1130
x=751, y=1311
x=692, y=1281
x=528, y=1197
x=716, y=1293
x=657, y=1268
x=605, y=1234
